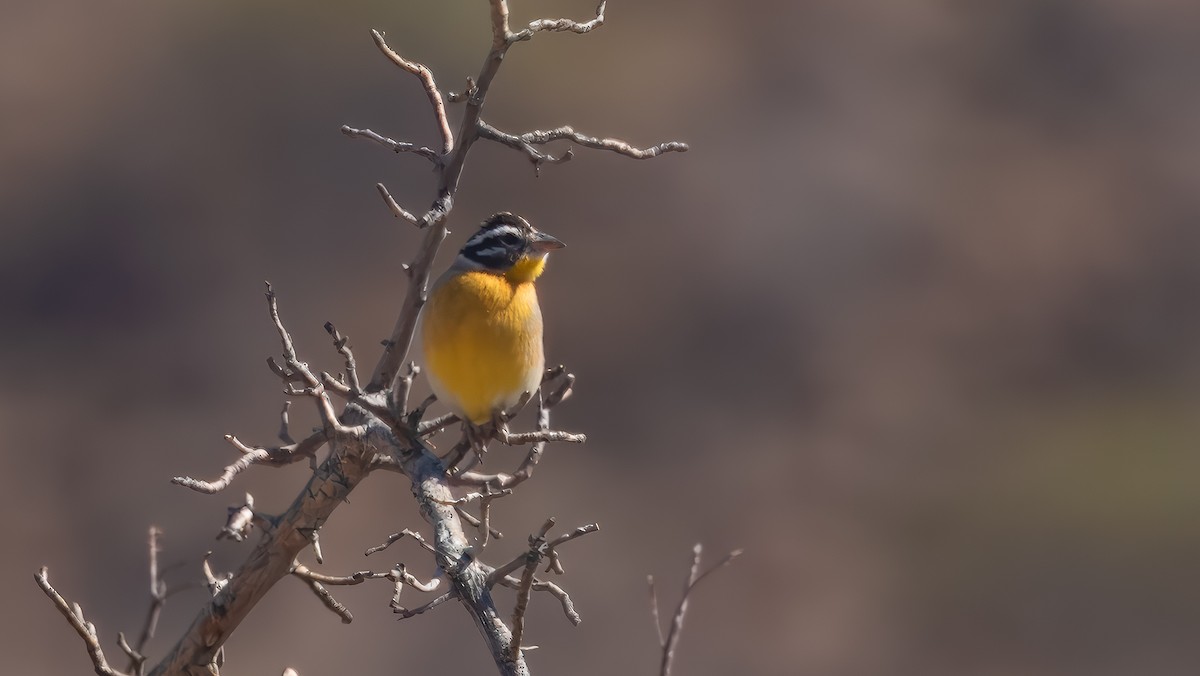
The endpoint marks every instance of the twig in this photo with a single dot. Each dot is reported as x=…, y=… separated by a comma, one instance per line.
x=295, y=370
x=240, y=521
x=399, y=576
x=341, y=343
x=394, y=146
x=397, y=210
x=335, y=606
x=483, y=523
x=538, y=543
x=137, y=660
x=284, y=434
x=520, y=438
x=431, y=427
x=406, y=613
x=403, y=388
x=694, y=578
x=525, y=470
x=526, y=142
x=158, y=597
x=479, y=523
x=427, y=81
x=399, y=573
x=556, y=591
x=85, y=629
x=273, y=457
x=537, y=157
x=560, y=25
x=394, y=537
x=468, y=92
x=532, y=558
x=662, y=640
x=552, y=553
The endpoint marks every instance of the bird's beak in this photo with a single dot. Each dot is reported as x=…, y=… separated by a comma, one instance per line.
x=542, y=243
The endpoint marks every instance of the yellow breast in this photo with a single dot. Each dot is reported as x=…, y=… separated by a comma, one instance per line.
x=482, y=335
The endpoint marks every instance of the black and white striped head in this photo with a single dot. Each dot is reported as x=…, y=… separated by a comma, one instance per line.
x=507, y=244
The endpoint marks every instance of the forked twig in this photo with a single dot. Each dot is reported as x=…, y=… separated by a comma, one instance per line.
x=85, y=629
x=277, y=456
x=694, y=577
x=427, y=81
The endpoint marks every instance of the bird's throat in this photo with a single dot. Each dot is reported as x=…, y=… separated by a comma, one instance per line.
x=527, y=269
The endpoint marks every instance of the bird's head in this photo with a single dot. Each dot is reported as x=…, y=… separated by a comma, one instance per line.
x=508, y=245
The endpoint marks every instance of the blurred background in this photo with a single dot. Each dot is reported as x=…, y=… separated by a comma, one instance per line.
x=914, y=322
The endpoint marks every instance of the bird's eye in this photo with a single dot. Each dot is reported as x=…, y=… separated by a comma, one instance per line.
x=509, y=239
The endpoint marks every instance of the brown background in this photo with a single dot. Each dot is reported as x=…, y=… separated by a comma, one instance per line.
x=914, y=322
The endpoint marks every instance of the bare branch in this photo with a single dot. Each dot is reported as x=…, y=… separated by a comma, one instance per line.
x=137, y=660
x=334, y=606
x=523, y=590
x=431, y=427
x=526, y=142
x=342, y=344
x=427, y=81
x=397, y=210
x=532, y=558
x=295, y=370
x=525, y=470
x=537, y=157
x=359, y=442
x=298, y=369
x=158, y=596
x=552, y=553
x=402, y=389
x=662, y=640
x=406, y=613
x=395, y=537
x=85, y=629
x=482, y=523
x=519, y=438
x=399, y=576
x=560, y=25
x=468, y=92
x=694, y=578
x=273, y=457
x=394, y=146
x=284, y=434
x=553, y=589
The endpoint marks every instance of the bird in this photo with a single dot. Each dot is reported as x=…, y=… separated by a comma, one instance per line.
x=481, y=324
